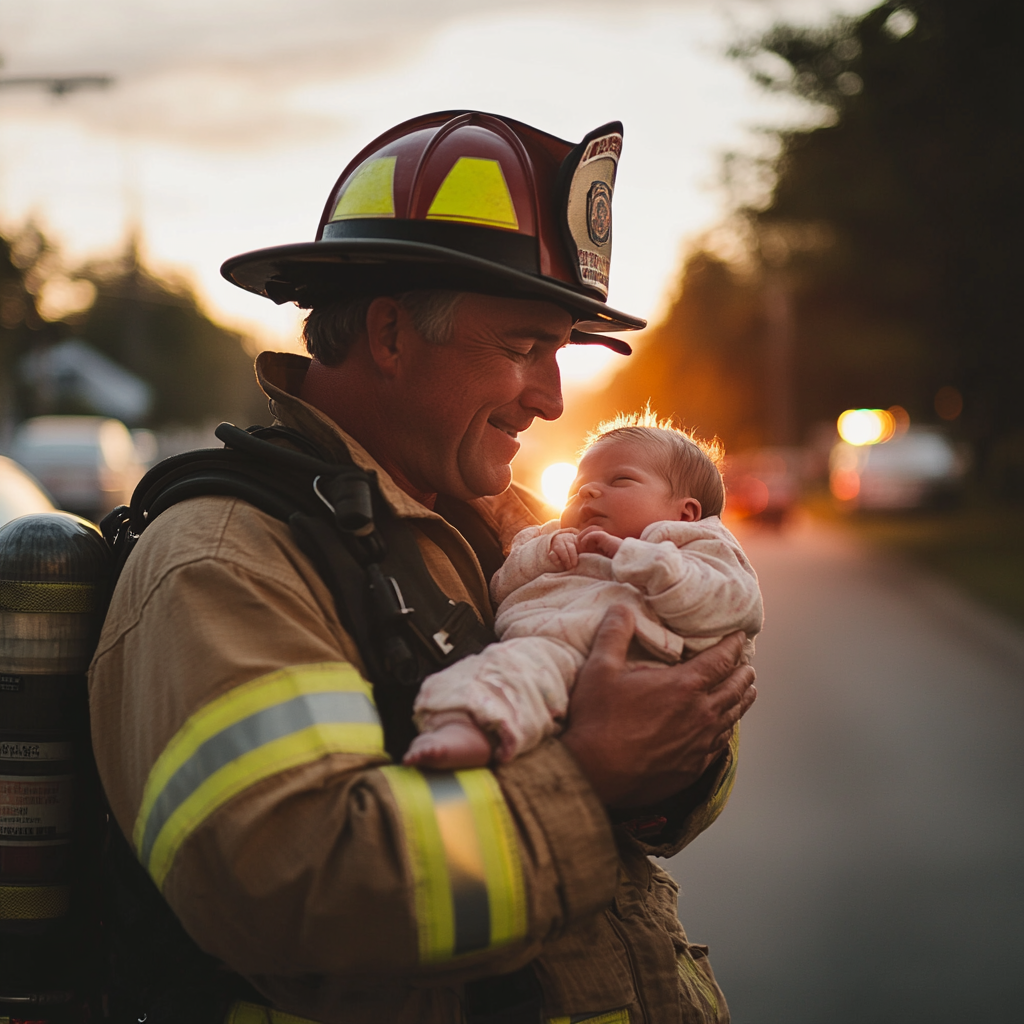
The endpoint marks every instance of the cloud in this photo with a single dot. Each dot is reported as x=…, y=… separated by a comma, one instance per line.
x=225, y=73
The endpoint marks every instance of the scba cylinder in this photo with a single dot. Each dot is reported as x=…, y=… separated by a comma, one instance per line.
x=54, y=572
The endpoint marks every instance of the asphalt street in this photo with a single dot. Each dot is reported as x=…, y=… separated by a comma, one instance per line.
x=869, y=868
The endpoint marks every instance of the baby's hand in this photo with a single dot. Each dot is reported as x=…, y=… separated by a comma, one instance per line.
x=563, y=550
x=596, y=542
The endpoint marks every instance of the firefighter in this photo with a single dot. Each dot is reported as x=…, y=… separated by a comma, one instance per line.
x=233, y=717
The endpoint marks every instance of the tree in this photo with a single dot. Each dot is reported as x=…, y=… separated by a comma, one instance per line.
x=20, y=322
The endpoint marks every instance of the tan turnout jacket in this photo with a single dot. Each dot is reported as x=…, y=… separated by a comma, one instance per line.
x=241, y=752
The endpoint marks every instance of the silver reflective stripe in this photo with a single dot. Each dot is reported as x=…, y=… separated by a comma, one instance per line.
x=250, y=733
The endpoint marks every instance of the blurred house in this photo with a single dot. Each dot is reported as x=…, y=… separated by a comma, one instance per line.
x=72, y=374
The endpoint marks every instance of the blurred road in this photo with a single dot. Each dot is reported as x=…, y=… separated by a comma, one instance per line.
x=869, y=868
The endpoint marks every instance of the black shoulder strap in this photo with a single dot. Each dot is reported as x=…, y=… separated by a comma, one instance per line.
x=404, y=625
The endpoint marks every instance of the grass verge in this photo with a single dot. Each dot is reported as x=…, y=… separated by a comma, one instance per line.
x=980, y=548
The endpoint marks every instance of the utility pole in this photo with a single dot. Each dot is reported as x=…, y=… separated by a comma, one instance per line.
x=57, y=85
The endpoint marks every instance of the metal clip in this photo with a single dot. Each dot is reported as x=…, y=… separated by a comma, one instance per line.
x=402, y=606
x=317, y=492
x=441, y=639
x=363, y=531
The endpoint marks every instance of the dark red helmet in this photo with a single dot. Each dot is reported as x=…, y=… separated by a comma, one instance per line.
x=462, y=200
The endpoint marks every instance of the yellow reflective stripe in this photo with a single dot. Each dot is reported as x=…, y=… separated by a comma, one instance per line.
x=610, y=1017
x=237, y=704
x=66, y=598
x=696, y=982
x=720, y=797
x=467, y=878
x=278, y=721
x=247, y=1013
x=503, y=870
x=435, y=919
x=252, y=1013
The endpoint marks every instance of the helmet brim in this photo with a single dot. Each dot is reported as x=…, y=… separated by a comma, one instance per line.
x=309, y=273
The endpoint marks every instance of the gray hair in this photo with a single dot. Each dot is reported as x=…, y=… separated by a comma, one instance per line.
x=331, y=330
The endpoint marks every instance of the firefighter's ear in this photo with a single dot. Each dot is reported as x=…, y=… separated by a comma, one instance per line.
x=383, y=329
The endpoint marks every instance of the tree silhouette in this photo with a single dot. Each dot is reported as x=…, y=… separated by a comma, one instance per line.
x=912, y=189
x=891, y=236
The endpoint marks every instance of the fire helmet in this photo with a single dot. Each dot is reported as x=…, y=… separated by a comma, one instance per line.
x=467, y=201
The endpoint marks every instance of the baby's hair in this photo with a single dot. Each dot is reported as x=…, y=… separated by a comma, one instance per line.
x=690, y=464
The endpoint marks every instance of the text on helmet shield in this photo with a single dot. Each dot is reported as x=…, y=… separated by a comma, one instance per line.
x=589, y=210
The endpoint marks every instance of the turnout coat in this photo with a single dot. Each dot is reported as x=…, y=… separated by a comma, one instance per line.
x=240, y=749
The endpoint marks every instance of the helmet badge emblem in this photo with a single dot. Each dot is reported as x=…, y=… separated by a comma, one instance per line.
x=599, y=213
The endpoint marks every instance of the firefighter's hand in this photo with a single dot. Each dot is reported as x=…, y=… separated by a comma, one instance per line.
x=642, y=734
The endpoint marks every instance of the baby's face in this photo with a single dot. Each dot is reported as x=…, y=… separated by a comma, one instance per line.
x=619, y=489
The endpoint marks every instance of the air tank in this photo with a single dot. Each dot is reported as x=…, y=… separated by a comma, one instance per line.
x=54, y=573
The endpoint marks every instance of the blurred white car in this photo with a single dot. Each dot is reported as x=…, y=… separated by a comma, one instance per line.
x=88, y=463
x=920, y=467
x=20, y=495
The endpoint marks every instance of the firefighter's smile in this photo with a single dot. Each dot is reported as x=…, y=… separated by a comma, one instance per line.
x=512, y=432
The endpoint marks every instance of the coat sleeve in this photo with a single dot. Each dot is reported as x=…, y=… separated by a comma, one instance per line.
x=695, y=577
x=527, y=559
x=241, y=750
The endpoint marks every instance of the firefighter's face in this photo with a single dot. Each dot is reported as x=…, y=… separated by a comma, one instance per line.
x=464, y=403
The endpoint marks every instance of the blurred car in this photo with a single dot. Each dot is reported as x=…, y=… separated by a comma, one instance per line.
x=919, y=468
x=20, y=495
x=88, y=463
x=763, y=484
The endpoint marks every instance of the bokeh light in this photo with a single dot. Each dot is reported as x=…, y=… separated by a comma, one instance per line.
x=555, y=482
x=866, y=426
x=901, y=418
x=844, y=484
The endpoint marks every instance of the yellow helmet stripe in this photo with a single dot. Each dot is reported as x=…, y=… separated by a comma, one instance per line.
x=276, y=722
x=370, y=192
x=464, y=860
x=475, y=191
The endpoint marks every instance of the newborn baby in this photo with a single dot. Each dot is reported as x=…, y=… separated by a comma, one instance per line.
x=641, y=529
